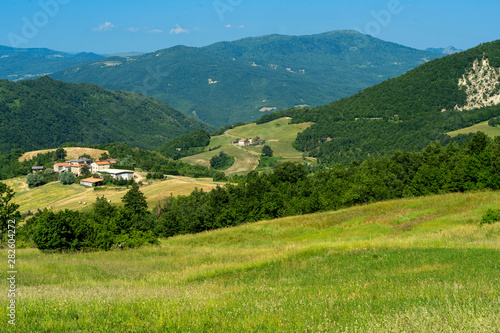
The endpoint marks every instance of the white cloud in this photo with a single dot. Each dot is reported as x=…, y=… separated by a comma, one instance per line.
x=228, y=26
x=241, y=26
x=132, y=29
x=154, y=31
x=178, y=30
x=108, y=26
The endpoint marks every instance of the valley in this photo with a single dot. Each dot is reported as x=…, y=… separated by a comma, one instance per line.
x=329, y=182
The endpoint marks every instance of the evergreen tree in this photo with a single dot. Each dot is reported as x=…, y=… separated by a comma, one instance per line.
x=8, y=209
x=135, y=201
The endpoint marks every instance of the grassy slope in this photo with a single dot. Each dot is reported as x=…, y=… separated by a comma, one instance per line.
x=62, y=197
x=481, y=127
x=278, y=134
x=73, y=153
x=412, y=265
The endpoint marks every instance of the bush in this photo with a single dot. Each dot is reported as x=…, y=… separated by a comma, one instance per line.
x=35, y=179
x=491, y=216
x=67, y=178
x=219, y=177
x=222, y=161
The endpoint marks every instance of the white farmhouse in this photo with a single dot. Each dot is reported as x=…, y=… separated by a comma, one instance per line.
x=118, y=174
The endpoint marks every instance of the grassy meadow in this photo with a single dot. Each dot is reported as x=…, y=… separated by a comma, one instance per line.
x=59, y=197
x=411, y=265
x=481, y=127
x=279, y=135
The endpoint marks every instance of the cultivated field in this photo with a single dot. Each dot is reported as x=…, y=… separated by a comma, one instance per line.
x=412, y=265
x=73, y=153
x=279, y=135
x=481, y=127
x=57, y=196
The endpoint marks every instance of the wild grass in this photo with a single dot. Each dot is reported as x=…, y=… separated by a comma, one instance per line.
x=412, y=265
x=481, y=127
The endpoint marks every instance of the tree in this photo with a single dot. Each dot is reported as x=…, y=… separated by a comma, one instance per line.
x=104, y=156
x=135, y=201
x=54, y=231
x=35, y=179
x=85, y=156
x=85, y=170
x=60, y=153
x=8, y=209
x=67, y=178
x=219, y=177
x=267, y=151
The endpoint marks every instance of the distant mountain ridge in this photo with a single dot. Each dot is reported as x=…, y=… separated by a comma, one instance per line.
x=240, y=81
x=18, y=64
x=445, y=50
x=45, y=113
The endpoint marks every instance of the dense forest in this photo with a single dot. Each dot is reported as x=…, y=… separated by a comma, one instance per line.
x=288, y=190
x=405, y=113
x=45, y=113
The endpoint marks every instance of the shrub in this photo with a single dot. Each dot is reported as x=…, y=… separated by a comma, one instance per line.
x=491, y=216
x=35, y=179
x=67, y=178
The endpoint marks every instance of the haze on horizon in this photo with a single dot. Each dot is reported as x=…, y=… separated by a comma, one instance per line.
x=123, y=25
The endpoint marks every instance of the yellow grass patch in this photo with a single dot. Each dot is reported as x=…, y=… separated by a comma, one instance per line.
x=73, y=153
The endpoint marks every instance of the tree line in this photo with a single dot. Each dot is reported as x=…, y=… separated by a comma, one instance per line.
x=289, y=190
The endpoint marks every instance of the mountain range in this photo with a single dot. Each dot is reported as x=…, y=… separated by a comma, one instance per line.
x=236, y=81
x=45, y=113
x=19, y=64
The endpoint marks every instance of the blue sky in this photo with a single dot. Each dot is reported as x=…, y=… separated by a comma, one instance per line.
x=109, y=26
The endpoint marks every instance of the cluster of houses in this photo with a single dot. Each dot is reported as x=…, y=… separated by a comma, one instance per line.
x=249, y=142
x=77, y=167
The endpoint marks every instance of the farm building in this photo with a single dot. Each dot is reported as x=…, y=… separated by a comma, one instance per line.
x=62, y=167
x=243, y=143
x=79, y=161
x=91, y=182
x=100, y=165
x=118, y=174
x=36, y=169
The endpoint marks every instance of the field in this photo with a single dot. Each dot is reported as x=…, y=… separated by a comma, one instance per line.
x=61, y=197
x=412, y=265
x=481, y=127
x=73, y=153
x=279, y=135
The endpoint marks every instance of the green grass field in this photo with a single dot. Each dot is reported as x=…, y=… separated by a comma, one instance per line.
x=59, y=197
x=481, y=127
x=279, y=135
x=412, y=265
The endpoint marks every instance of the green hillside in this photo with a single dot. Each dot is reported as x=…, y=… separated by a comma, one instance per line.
x=18, y=64
x=412, y=265
x=44, y=113
x=242, y=80
x=278, y=134
x=406, y=112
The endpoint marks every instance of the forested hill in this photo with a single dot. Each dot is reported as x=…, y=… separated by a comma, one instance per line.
x=17, y=64
x=405, y=112
x=44, y=113
x=240, y=81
